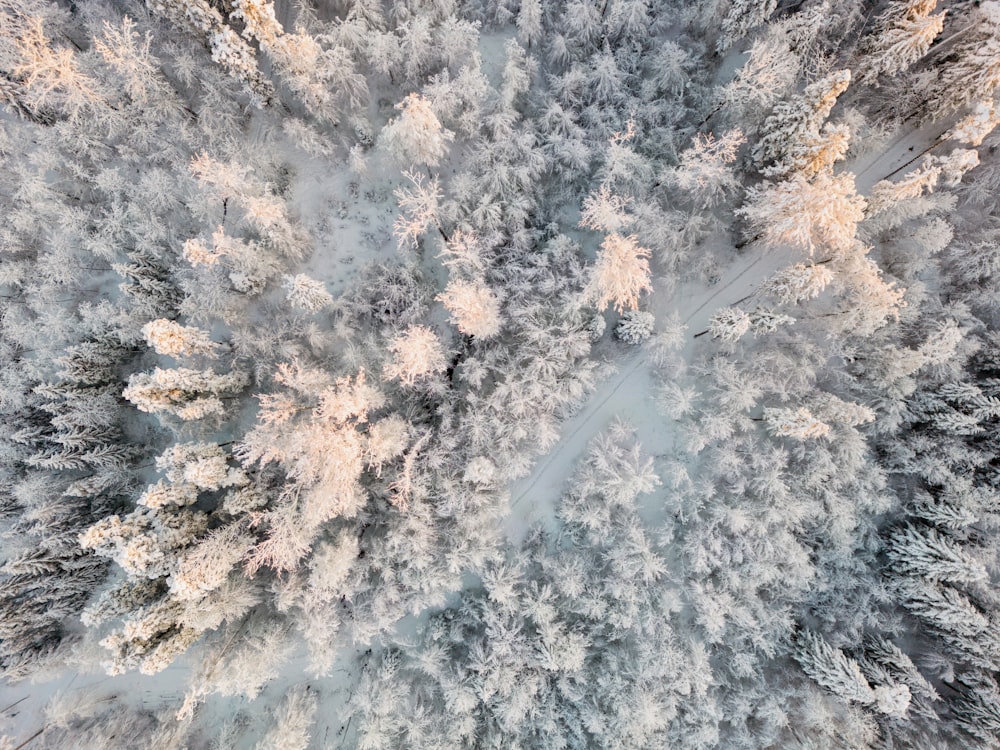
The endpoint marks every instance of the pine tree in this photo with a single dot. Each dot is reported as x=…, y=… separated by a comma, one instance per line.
x=305, y=293
x=474, y=308
x=729, y=324
x=704, y=171
x=228, y=49
x=529, y=22
x=743, y=17
x=420, y=206
x=417, y=354
x=977, y=710
x=635, y=326
x=416, y=136
x=620, y=274
x=931, y=554
x=820, y=213
x=830, y=668
x=796, y=141
x=903, y=34
x=172, y=339
x=186, y=393
x=974, y=72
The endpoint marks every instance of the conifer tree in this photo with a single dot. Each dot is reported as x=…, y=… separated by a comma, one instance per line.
x=620, y=273
x=416, y=136
x=903, y=34
x=974, y=72
x=795, y=140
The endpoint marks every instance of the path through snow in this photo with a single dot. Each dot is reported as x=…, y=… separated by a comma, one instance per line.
x=629, y=393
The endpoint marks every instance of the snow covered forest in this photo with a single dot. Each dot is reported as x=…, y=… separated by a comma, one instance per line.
x=499, y=374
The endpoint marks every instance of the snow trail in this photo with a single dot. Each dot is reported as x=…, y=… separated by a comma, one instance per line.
x=627, y=394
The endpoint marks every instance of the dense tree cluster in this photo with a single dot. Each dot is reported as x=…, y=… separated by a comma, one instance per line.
x=294, y=295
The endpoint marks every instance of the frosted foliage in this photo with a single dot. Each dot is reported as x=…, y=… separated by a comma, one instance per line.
x=171, y=338
x=481, y=470
x=315, y=437
x=814, y=153
x=188, y=394
x=829, y=408
x=163, y=494
x=249, y=264
x=903, y=34
x=872, y=300
x=620, y=274
x=596, y=327
x=419, y=207
x=973, y=73
x=770, y=70
x=255, y=659
x=305, y=293
x=798, y=283
x=143, y=543
x=474, y=308
x=892, y=700
x=635, y=326
x=417, y=353
x=795, y=141
x=704, y=170
x=933, y=555
x=820, y=213
x=228, y=49
x=973, y=128
x=207, y=565
x=954, y=166
x=885, y=194
x=237, y=57
x=331, y=565
x=798, y=423
x=197, y=253
x=387, y=439
x=200, y=464
x=51, y=75
x=517, y=69
x=529, y=21
x=129, y=54
x=226, y=179
x=942, y=344
x=604, y=211
x=263, y=211
x=729, y=324
x=463, y=252
x=167, y=649
x=125, y=597
x=743, y=16
x=416, y=136
x=258, y=19
x=763, y=321
x=677, y=401
x=832, y=669
x=293, y=721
